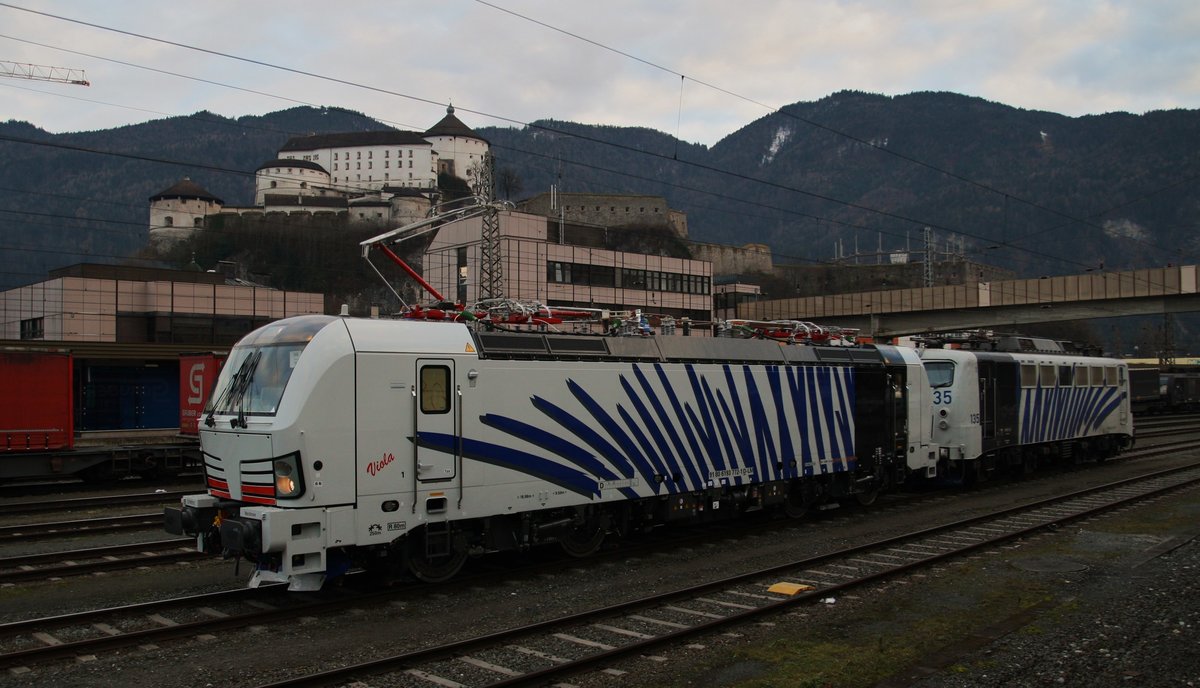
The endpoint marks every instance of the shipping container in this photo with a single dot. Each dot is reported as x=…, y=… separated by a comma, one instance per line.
x=35, y=401
x=197, y=373
x=126, y=396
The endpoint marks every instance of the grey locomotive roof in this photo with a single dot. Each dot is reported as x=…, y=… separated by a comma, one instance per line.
x=186, y=188
x=282, y=162
x=354, y=139
x=674, y=348
x=453, y=126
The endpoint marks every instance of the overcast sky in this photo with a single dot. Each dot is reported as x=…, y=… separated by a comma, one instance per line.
x=617, y=62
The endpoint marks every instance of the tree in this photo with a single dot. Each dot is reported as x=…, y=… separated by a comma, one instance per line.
x=509, y=183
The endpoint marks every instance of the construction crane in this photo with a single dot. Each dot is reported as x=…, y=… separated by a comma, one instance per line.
x=62, y=75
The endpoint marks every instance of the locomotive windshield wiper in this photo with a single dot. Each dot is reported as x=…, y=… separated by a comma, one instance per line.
x=247, y=371
x=232, y=392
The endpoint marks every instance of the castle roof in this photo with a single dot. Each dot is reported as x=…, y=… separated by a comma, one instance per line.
x=354, y=139
x=292, y=162
x=186, y=189
x=453, y=126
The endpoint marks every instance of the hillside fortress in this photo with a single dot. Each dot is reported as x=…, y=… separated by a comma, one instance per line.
x=389, y=176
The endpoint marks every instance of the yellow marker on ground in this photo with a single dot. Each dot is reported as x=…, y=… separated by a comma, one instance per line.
x=789, y=588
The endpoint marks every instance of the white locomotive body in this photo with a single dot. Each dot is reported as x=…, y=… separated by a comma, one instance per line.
x=333, y=442
x=1012, y=410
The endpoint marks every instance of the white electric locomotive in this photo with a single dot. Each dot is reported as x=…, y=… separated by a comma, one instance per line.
x=1022, y=402
x=332, y=442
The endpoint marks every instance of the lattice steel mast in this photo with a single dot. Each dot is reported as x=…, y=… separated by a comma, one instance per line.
x=491, y=266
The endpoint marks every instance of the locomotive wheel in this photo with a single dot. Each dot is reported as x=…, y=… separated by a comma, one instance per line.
x=867, y=498
x=434, y=568
x=795, y=506
x=583, y=540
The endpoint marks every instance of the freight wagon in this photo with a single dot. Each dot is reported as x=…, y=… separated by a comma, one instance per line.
x=100, y=417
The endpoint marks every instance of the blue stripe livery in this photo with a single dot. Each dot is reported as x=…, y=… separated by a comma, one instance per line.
x=677, y=429
x=1058, y=413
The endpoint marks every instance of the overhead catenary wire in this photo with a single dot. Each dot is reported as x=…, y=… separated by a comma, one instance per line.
x=576, y=135
x=348, y=82
x=245, y=173
x=795, y=116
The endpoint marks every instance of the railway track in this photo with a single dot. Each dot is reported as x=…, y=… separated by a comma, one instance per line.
x=99, y=501
x=84, y=561
x=706, y=607
x=543, y=652
x=80, y=527
x=50, y=565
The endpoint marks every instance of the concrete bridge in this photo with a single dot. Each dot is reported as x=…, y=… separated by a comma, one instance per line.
x=993, y=305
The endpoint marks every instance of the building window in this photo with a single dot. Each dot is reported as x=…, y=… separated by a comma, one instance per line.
x=387, y=164
x=558, y=272
x=410, y=153
x=335, y=167
x=603, y=276
x=387, y=153
x=335, y=156
x=274, y=184
x=387, y=177
x=369, y=165
x=410, y=163
x=358, y=155
x=370, y=155
x=633, y=279
x=33, y=328
x=197, y=222
x=168, y=221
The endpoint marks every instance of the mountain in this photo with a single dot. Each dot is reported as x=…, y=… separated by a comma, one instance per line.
x=1052, y=194
x=1036, y=192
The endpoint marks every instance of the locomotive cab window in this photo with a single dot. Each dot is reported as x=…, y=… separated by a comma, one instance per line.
x=1047, y=374
x=1065, y=376
x=1097, y=375
x=1029, y=375
x=1081, y=376
x=435, y=389
x=941, y=373
x=253, y=379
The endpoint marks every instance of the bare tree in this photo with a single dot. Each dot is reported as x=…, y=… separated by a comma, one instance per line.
x=509, y=183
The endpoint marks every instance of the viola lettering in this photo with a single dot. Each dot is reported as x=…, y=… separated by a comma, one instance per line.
x=376, y=466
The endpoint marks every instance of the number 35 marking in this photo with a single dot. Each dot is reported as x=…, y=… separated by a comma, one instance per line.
x=941, y=396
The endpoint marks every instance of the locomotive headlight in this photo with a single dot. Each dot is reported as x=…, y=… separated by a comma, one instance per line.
x=289, y=482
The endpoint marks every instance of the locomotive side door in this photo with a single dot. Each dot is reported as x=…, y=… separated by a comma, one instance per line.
x=435, y=421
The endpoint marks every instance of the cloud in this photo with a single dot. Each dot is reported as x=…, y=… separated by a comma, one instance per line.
x=1073, y=57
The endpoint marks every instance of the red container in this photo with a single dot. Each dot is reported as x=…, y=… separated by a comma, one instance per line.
x=36, y=410
x=197, y=373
